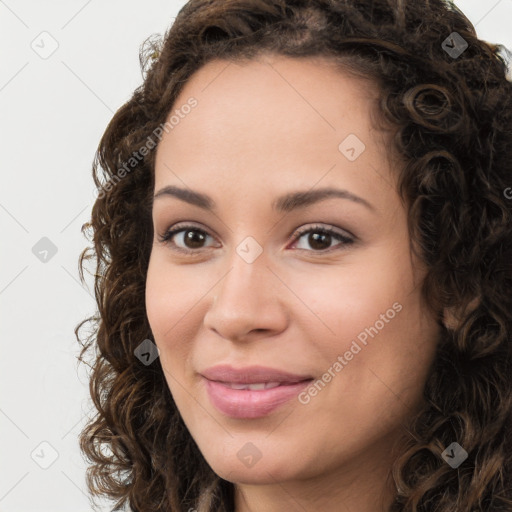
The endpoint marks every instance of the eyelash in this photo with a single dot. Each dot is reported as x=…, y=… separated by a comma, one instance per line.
x=168, y=235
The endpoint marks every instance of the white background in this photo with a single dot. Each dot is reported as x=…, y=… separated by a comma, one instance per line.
x=53, y=113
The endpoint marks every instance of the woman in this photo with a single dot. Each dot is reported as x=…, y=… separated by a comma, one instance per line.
x=303, y=245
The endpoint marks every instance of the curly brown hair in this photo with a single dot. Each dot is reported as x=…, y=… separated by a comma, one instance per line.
x=453, y=123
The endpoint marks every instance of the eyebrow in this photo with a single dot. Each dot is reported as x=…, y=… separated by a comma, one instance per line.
x=285, y=203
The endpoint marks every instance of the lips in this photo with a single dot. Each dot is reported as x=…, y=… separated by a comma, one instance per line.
x=252, y=375
x=253, y=387
x=251, y=392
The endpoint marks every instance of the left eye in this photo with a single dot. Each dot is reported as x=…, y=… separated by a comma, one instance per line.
x=319, y=235
x=194, y=237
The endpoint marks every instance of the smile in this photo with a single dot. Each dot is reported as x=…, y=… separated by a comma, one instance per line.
x=249, y=401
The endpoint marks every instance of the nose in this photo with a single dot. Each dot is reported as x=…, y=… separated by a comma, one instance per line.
x=247, y=302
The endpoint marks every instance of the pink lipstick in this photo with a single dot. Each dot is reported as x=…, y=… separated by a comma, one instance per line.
x=253, y=391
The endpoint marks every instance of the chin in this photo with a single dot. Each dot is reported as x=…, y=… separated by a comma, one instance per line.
x=257, y=475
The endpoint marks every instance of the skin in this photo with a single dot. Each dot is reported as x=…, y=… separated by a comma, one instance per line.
x=261, y=129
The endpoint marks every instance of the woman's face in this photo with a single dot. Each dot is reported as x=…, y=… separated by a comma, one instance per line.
x=250, y=278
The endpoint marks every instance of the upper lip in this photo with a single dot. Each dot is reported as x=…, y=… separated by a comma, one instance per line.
x=250, y=375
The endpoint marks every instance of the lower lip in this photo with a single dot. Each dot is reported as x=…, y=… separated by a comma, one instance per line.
x=244, y=403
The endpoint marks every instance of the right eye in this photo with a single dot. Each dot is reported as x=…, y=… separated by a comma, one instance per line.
x=186, y=235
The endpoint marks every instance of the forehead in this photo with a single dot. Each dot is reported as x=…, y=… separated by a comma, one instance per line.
x=274, y=113
x=274, y=88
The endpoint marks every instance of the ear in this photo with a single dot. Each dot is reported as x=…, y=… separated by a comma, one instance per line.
x=453, y=316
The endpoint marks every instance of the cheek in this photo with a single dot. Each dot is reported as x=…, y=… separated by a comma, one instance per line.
x=171, y=294
x=371, y=315
x=175, y=298
x=158, y=300
x=345, y=299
